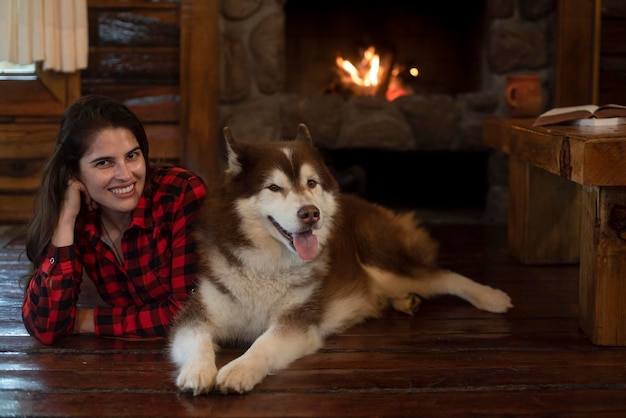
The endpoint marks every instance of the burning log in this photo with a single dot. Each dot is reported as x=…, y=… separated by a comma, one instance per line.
x=373, y=75
x=386, y=65
x=402, y=81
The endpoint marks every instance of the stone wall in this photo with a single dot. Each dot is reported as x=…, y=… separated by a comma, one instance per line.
x=254, y=103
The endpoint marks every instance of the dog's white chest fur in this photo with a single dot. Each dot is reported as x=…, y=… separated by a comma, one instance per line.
x=246, y=301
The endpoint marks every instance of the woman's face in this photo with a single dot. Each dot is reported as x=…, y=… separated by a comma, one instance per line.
x=113, y=170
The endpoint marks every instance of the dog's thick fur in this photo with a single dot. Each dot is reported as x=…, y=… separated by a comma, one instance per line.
x=286, y=260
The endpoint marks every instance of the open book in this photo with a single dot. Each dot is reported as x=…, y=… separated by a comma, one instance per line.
x=587, y=115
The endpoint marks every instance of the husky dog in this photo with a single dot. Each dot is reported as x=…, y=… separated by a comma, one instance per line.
x=286, y=260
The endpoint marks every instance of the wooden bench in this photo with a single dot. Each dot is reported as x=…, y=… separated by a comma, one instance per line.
x=567, y=204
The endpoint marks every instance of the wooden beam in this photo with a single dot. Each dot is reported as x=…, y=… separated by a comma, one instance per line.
x=199, y=87
x=577, y=52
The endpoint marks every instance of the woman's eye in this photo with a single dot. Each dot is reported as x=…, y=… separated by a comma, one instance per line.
x=274, y=188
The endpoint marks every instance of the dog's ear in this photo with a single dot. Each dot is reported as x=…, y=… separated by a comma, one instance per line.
x=228, y=135
x=234, y=166
x=304, y=134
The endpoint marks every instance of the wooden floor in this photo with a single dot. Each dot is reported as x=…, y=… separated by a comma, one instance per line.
x=450, y=360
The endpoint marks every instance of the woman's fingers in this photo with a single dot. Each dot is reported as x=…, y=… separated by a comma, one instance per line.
x=71, y=201
x=73, y=194
x=79, y=187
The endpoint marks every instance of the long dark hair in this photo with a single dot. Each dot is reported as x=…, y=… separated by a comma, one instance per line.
x=82, y=121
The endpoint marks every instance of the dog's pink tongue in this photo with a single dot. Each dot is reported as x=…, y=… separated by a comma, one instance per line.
x=306, y=245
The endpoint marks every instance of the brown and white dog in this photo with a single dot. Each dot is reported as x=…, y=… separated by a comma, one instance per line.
x=287, y=260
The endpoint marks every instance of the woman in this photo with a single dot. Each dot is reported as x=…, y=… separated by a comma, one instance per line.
x=102, y=210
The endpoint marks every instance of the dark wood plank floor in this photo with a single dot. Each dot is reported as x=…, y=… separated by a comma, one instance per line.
x=450, y=360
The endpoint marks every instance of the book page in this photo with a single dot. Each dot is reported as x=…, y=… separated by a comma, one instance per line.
x=610, y=110
x=569, y=109
x=559, y=115
x=598, y=121
x=569, y=113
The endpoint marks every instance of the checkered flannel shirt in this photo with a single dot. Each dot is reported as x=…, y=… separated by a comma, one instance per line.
x=142, y=295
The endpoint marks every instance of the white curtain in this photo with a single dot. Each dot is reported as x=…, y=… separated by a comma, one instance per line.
x=52, y=31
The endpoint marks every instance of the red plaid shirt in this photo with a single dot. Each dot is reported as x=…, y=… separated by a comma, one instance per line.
x=145, y=293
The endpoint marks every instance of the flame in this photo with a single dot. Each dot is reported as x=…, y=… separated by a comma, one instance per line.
x=365, y=77
x=397, y=86
x=367, y=73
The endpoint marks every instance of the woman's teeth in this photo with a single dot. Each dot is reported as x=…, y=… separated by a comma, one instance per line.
x=123, y=190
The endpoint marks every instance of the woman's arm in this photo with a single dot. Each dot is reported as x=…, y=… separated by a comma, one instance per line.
x=49, y=305
x=84, y=323
x=50, y=302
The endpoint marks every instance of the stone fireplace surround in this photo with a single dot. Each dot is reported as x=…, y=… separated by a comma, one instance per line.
x=255, y=104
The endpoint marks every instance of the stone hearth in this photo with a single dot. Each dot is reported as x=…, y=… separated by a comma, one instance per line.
x=255, y=104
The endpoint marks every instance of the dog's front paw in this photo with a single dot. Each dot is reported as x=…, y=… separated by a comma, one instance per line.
x=196, y=378
x=238, y=376
x=493, y=300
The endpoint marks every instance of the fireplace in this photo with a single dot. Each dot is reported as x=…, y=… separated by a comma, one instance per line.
x=277, y=65
x=444, y=47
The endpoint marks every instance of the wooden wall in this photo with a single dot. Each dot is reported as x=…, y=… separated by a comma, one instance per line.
x=590, y=64
x=157, y=56
x=134, y=50
x=611, y=85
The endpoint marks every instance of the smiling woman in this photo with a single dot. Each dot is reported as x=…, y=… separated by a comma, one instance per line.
x=104, y=216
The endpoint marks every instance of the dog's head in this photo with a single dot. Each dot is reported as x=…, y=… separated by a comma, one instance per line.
x=283, y=192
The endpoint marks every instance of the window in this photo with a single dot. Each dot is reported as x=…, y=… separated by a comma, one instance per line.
x=10, y=71
x=37, y=93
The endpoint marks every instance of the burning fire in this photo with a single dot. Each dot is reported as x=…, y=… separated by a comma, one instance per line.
x=370, y=77
x=366, y=73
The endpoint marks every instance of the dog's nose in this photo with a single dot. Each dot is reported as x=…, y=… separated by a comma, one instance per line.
x=309, y=214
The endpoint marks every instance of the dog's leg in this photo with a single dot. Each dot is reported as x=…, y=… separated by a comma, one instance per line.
x=192, y=350
x=481, y=296
x=431, y=283
x=272, y=351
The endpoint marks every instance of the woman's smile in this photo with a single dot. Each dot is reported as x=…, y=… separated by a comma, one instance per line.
x=123, y=191
x=113, y=170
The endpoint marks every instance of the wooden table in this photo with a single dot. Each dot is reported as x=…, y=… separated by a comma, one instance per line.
x=567, y=204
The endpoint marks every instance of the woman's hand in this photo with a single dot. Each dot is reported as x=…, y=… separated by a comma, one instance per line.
x=84, y=322
x=70, y=208
x=72, y=199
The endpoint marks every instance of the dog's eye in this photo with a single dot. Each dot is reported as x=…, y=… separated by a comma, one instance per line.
x=274, y=188
x=311, y=184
